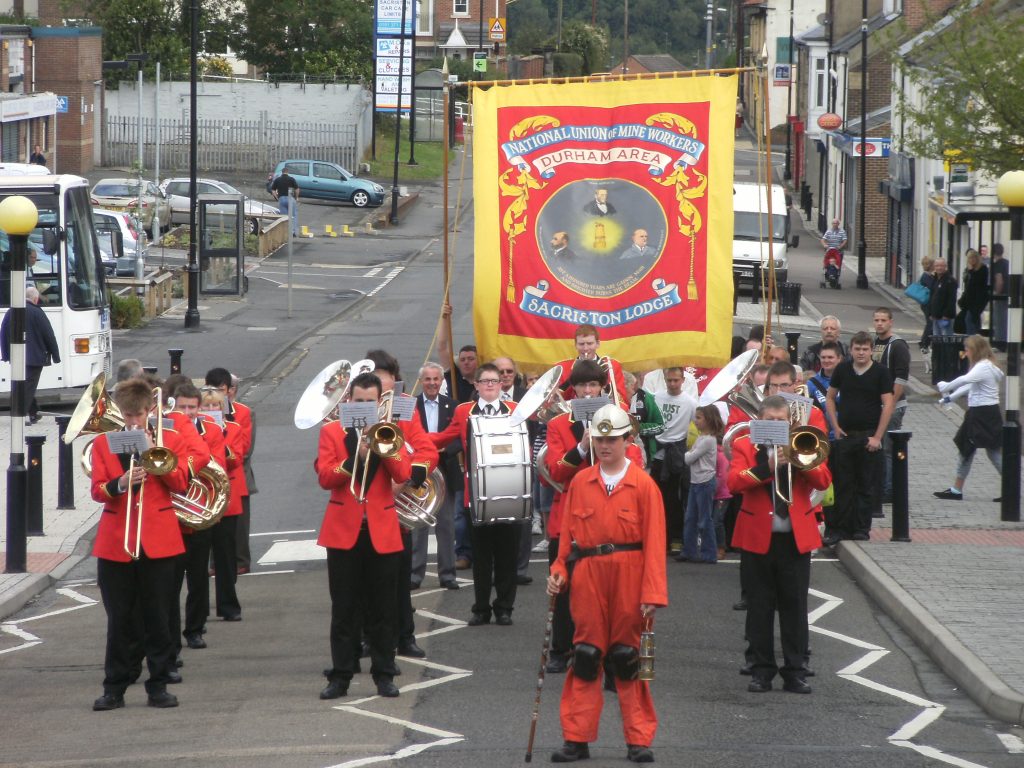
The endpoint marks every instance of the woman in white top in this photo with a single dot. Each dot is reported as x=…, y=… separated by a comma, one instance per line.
x=983, y=422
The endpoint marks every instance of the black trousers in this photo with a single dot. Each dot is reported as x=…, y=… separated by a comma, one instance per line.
x=495, y=550
x=146, y=585
x=857, y=477
x=363, y=584
x=191, y=566
x=32, y=374
x=242, y=536
x=675, y=488
x=777, y=582
x=562, y=628
x=225, y=564
x=406, y=627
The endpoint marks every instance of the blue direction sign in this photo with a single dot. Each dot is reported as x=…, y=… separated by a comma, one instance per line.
x=62, y=104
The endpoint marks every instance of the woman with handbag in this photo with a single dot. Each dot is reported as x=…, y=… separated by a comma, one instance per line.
x=921, y=292
x=974, y=298
x=983, y=423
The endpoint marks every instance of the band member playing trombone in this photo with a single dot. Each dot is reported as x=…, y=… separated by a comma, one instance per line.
x=495, y=546
x=776, y=532
x=136, y=545
x=613, y=529
x=587, y=343
x=364, y=546
x=569, y=452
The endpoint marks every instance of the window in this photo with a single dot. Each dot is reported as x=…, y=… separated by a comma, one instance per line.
x=297, y=169
x=424, y=17
x=820, y=80
x=460, y=8
x=324, y=171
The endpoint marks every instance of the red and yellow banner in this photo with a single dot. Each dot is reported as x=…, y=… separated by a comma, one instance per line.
x=608, y=203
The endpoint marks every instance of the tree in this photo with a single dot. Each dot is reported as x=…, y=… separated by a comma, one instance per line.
x=319, y=37
x=141, y=26
x=589, y=43
x=968, y=70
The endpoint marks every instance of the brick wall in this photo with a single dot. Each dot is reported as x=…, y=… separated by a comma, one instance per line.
x=68, y=61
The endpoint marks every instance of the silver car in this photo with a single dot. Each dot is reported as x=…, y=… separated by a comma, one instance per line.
x=176, y=191
x=132, y=238
x=123, y=194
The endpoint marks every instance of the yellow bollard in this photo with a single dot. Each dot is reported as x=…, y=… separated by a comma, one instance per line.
x=346, y=231
x=304, y=231
x=329, y=231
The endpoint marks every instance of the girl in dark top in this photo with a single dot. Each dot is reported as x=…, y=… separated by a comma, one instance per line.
x=975, y=294
x=927, y=279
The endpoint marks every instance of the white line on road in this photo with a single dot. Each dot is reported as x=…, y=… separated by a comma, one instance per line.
x=78, y=597
x=374, y=272
x=281, y=533
x=262, y=328
x=409, y=751
x=28, y=637
x=390, y=276
x=437, y=616
x=399, y=721
x=51, y=613
x=269, y=573
x=1013, y=745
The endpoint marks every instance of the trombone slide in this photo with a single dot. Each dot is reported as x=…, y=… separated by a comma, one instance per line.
x=133, y=551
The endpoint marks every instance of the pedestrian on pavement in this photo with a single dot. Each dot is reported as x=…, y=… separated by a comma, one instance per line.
x=927, y=279
x=983, y=423
x=835, y=237
x=974, y=297
x=892, y=352
x=830, y=330
x=702, y=459
x=669, y=468
x=942, y=307
x=285, y=190
x=37, y=157
x=830, y=355
x=999, y=272
x=613, y=589
x=776, y=539
x=864, y=407
x=40, y=348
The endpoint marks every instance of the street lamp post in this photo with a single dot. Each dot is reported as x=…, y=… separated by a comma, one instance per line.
x=192, y=270
x=1011, y=193
x=18, y=217
x=862, y=246
x=787, y=174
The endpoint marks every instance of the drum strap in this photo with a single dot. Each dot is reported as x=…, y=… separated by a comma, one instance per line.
x=602, y=549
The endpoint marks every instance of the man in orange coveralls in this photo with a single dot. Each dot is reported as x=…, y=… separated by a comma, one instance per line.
x=614, y=530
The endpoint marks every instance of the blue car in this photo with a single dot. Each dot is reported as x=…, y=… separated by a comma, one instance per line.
x=328, y=181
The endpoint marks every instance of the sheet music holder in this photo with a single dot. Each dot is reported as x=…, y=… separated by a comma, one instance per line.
x=217, y=416
x=584, y=408
x=128, y=441
x=358, y=415
x=769, y=432
x=403, y=408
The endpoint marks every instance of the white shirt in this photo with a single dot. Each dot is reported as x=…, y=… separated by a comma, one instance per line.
x=431, y=409
x=980, y=384
x=677, y=411
x=482, y=405
x=610, y=481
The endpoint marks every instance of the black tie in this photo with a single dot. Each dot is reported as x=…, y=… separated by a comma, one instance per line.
x=489, y=409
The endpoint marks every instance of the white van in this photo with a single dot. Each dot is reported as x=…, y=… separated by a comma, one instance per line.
x=749, y=202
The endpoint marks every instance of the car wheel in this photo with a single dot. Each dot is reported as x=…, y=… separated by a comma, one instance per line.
x=360, y=199
x=253, y=226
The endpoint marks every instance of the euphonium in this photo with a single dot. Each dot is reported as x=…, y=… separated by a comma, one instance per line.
x=418, y=507
x=205, y=499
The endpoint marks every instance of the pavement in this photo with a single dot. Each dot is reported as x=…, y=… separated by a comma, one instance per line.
x=957, y=589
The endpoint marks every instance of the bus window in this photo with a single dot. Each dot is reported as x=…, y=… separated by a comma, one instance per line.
x=84, y=277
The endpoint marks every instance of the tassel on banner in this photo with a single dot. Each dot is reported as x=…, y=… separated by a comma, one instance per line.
x=691, y=285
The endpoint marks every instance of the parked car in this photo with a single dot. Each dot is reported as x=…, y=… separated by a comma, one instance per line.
x=328, y=181
x=123, y=194
x=176, y=191
x=132, y=238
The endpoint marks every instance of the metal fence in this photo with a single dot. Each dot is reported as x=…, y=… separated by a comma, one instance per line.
x=229, y=145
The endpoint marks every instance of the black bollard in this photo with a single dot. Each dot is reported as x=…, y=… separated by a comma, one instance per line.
x=793, y=345
x=755, y=286
x=65, y=467
x=900, y=475
x=34, y=492
x=175, y=360
x=1009, y=508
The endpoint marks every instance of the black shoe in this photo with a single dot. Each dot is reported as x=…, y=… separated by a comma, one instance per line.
x=34, y=419
x=173, y=677
x=163, y=700
x=747, y=669
x=570, y=752
x=107, y=702
x=335, y=689
x=880, y=515
x=831, y=539
x=503, y=619
x=178, y=662
x=524, y=580
x=232, y=617
x=759, y=685
x=387, y=688
x=556, y=665
x=411, y=649
x=478, y=619
x=948, y=494
x=453, y=584
x=639, y=754
x=195, y=642
x=740, y=605
x=796, y=685
x=806, y=671
x=861, y=536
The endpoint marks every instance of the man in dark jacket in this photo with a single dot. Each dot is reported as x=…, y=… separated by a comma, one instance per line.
x=40, y=347
x=942, y=307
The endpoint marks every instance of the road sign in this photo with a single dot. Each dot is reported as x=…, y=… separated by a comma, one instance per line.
x=782, y=74
x=496, y=29
x=62, y=104
x=479, y=61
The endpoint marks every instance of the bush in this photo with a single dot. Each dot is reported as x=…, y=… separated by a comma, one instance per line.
x=125, y=311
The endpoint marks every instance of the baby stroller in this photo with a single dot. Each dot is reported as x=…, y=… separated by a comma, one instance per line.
x=832, y=267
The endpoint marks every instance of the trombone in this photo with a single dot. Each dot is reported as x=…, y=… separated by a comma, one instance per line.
x=384, y=439
x=133, y=552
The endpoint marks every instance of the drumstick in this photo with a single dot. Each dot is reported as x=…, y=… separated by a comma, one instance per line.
x=540, y=676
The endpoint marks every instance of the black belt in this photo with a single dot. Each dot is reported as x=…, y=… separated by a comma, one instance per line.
x=603, y=549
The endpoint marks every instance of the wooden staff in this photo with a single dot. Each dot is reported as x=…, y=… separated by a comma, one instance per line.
x=540, y=676
x=446, y=142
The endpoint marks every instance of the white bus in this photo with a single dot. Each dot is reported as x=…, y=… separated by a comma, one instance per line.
x=66, y=269
x=751, y=231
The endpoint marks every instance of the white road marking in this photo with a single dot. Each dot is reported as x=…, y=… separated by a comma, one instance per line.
x=437, y=616
x=1013, y=744
x=398, y=721
x=409, y=751
x=28, y=637
x=281, y=533
x=937, y=754
x=78, y=597
x=374, y=272
x=269, y=573
x=390, y=276
x=302, y=550
x=262, y=328
x=47, y=615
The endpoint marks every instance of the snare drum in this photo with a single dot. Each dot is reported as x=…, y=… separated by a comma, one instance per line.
x=500, y=471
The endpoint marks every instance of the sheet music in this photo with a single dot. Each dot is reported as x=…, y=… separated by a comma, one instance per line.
x=769, y=432
x=358, y=415
x=403, y=408
x=129, y=441
x=584, y=408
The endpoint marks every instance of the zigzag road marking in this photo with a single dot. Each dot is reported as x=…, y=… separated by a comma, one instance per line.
x=931, y=711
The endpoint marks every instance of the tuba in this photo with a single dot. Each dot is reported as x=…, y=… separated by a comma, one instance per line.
x=320, y=399
x=205, y=499
x=95, y=414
